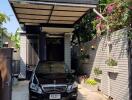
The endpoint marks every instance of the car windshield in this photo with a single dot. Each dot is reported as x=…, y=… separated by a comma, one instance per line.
x=50, y=67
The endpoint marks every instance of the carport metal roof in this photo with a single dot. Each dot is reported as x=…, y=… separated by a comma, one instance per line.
x=51, y=13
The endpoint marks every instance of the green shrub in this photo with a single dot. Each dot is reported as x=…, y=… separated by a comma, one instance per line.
x=84, y=56
x=97, y=71
x=111, y=62
x=91, y=82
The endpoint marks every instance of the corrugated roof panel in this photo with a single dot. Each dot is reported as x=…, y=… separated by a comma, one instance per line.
x=32, y=21
x=53, y=12
x=32, y=11
x=17, y=5
x=67, y=13
x=61, y=22
x=64, y=18
x=23, y=16
x=70, y=8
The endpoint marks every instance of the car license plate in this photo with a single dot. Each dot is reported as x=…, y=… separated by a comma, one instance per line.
x=55, y=96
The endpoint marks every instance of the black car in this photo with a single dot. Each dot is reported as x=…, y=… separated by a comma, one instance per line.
x=51, y=80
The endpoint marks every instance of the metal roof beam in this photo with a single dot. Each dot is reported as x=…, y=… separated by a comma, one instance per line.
x=57, y=25
x=58, y=3
x=50, y=14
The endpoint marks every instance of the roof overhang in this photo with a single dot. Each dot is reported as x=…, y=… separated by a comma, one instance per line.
x=55, y=30
x=51, y=13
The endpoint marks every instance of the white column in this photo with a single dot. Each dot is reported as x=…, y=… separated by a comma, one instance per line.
x=67, y=50
x=23, y=52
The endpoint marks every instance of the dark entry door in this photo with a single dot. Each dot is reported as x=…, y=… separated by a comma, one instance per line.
x=55, y=49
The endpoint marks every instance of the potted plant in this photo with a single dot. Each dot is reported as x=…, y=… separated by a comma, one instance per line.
x=97, y=72
x=112, y=65
x=84, y=57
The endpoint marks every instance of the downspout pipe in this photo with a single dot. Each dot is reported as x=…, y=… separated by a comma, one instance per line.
x=107, y=27
x=99, y=14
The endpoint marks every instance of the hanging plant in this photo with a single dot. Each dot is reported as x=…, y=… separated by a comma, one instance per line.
x=97, y=71
x=111, y=62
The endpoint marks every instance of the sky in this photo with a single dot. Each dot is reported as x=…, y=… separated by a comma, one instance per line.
x=13, y=24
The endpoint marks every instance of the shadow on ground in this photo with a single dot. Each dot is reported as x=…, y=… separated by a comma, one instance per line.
x=20, y=92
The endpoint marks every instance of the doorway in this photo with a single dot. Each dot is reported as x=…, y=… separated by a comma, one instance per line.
x=55, y=49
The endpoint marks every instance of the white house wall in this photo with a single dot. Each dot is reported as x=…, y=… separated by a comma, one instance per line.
x=118, y=87
x=23, y=59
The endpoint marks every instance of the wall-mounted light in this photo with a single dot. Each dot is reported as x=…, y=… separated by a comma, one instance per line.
x=93, y=47
x=82, y=49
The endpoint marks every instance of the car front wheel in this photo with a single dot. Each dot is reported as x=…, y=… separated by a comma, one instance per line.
x=30, y=97
x=75, y=98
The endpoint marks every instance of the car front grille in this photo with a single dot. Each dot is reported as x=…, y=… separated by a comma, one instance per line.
x=54, y=88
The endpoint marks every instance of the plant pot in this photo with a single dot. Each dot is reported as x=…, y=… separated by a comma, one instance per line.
x=113, y=69
x=84, y=61
x=98, y=77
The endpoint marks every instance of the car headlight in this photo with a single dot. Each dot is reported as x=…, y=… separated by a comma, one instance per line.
x=34, y=86
x=70, y=88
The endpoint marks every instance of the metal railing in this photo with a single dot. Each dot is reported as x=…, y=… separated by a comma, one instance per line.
x=15, y=67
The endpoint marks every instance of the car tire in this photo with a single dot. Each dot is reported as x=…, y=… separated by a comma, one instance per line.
x=30, y=97
x=75, y=98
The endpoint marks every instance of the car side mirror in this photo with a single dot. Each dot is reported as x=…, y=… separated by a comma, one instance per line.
x=72, y=71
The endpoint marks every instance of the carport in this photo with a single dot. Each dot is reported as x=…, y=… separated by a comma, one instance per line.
x=42, y=19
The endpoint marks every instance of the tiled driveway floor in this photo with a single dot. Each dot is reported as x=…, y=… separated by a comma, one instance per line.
x=20, y=92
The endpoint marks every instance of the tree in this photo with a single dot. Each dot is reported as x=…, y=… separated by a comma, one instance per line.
x=3, y=30
x=84, y=30
x=16, y=38
x=117, y=14
x=3, y=19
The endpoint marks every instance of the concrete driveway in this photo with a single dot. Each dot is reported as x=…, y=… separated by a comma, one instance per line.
x=85, y=94
x=20, y=92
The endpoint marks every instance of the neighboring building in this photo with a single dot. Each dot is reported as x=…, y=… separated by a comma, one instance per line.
x=5, y=41
x=114, y=81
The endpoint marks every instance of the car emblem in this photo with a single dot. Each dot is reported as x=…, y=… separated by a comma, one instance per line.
x=54, y=81
x=54, y=84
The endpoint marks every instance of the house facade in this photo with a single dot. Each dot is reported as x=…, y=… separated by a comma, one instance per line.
x=44, y=21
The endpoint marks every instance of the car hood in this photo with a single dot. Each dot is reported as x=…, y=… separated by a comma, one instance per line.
x=55, y=78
